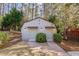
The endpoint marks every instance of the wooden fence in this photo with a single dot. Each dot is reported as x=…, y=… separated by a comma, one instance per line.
x=72, y=34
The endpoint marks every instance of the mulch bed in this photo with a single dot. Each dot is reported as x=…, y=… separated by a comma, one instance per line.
x=70, y=45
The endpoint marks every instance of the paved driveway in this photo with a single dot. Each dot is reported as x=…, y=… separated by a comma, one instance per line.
x=23, y=48
x=52, y=46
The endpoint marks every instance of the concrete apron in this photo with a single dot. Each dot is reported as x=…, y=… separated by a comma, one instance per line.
x=73, y=53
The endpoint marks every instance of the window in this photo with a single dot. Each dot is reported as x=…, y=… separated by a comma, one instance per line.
x=32, y=28
x=50, y=29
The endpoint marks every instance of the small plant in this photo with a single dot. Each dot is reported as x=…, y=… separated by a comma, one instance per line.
x=4, y=37
x=58, y=37
x=41, y=37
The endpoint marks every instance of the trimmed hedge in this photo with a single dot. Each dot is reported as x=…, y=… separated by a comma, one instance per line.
x=58, y=37
x=41, y=38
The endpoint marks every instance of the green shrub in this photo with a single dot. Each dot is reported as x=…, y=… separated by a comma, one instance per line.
x=58, y=23
x=41, y=37
x=12, y=20
x=6, y=23
x=4, y=37
x=58, y=37
x=51, y=18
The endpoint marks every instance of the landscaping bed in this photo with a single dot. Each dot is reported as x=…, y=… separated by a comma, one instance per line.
x=70, y=45
x=14, y=36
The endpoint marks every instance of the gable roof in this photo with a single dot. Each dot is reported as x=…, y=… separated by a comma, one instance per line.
x=38, y=21
x=37, y=18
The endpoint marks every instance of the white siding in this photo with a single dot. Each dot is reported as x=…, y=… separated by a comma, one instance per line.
x=41, y=24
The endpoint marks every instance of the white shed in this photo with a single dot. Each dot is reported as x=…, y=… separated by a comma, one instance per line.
x=37, y=25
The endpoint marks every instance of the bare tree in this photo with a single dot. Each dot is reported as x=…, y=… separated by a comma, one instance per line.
x=0, y=8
